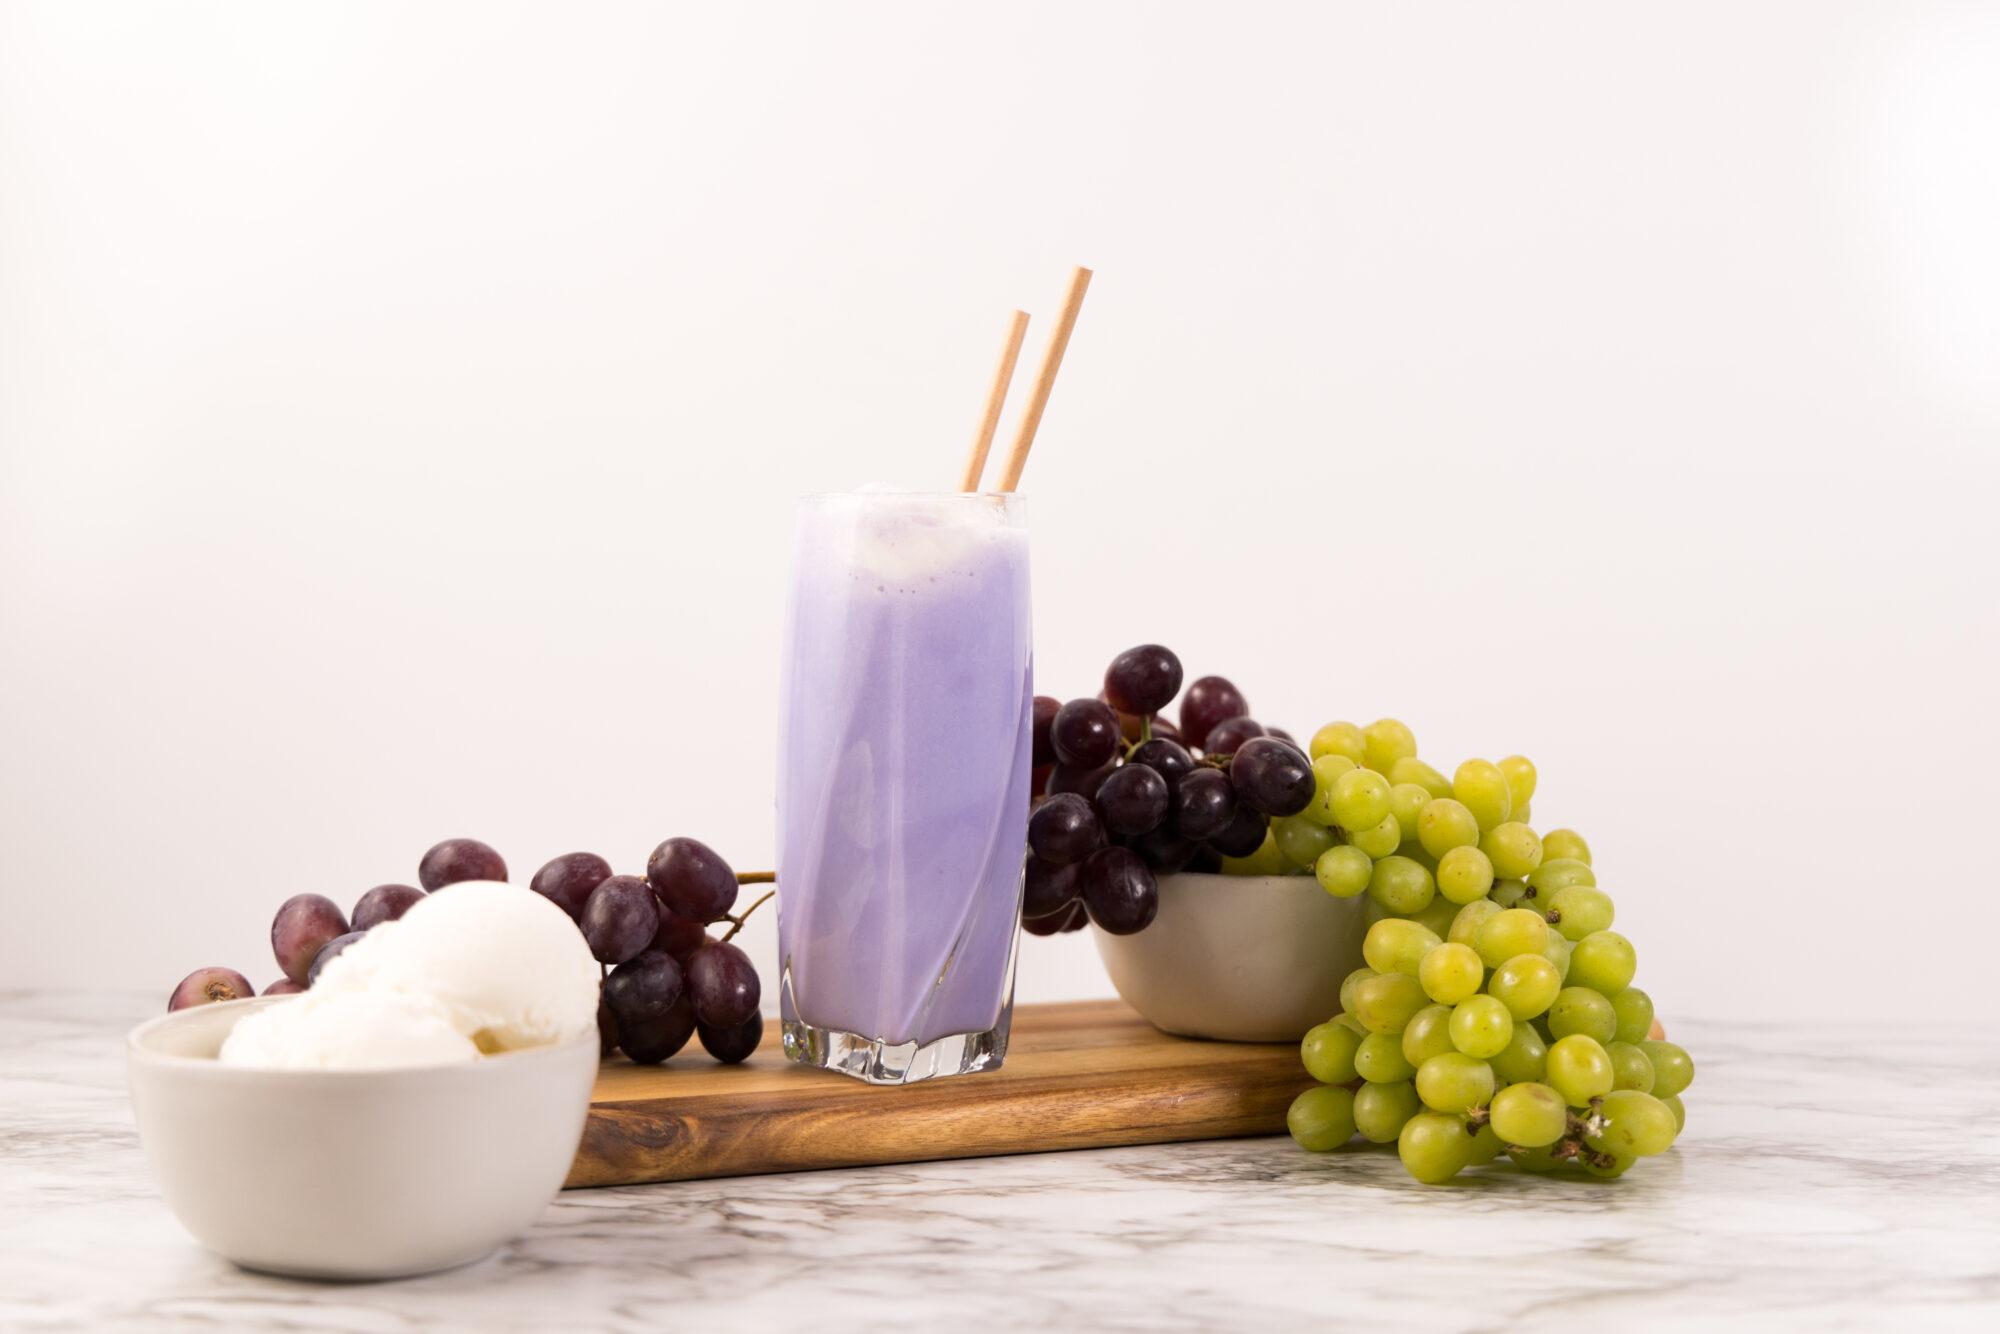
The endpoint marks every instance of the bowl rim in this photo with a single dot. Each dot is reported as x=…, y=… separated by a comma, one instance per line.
x=139, y=1054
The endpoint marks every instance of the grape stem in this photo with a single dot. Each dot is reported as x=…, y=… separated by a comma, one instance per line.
x=756, y=877
x=736, y=922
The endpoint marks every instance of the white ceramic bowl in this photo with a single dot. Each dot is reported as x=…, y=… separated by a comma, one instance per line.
x=352, y=1173
x=1247, y=958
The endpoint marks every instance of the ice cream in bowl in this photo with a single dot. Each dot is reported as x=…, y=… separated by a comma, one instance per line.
x=416, y=1108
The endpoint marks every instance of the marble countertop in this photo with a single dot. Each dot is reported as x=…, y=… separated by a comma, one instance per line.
x=1828, y=1179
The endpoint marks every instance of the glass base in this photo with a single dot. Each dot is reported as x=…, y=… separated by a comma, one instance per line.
x=879, y=1062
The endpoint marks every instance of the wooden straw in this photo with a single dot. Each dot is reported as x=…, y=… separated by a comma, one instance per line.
x=1045, y=380
x=996, y=397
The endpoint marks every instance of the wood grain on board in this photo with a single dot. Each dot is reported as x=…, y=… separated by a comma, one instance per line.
x=1083, y=1075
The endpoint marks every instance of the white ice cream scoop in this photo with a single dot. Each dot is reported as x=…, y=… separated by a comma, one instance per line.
x=352, y=1030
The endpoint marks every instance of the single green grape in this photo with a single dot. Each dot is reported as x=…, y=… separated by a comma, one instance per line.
x=1434, y=1147
x=1482, y=789
x=1535, y=1160
x=1454, y=1082
x=1302, y=841
x=1525, y=1058
x=1486, y=1146
x=1521, y=778
x=1328, y=1052
x=1634, y=1123
x=1379, y=842
x=1342, y=739
x=1360, y=799
x=1444, y=824
x=1381, y=1109
x=1580, y=910
x=1471, y=917
x=1556, y=872
x=1510, y=893
x=1410, y=769
x=1629, y=1067
x=1513, y=849
x=1406, y=801
x=1509, y=932
x=1428, y=1034
x=1450, y=973
x=1523, y=813
x=1385, y=741
x=1580, y=1069
x=1578, y=1009
x=1400, y=885
x=1379, y=1059
x=1481, y=1027
x=1321, y=1118
x=1327, y=770
x=1526, y=984
x=1634, y=1009
x=1566, y=844
x=1673, y=1102
x=1416, y=852
x=1437, y=916
x=1618, y=1165
x=1386, y=1002
x=1353, y=1025
x=1349, y=983
x=1673, y=1068
x=1604, y=961
x=1343, y=871
x=1463, y=874
x=1393, y=945
x=1557, y=952
x=1529, y=1114
x=1266, y=860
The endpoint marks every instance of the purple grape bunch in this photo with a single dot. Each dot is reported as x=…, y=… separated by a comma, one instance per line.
x=667, y=979
x=1122, y=796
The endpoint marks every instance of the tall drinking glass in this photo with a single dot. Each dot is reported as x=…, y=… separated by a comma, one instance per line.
x=903, y=783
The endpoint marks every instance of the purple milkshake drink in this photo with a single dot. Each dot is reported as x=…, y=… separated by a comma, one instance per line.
x=904, y=758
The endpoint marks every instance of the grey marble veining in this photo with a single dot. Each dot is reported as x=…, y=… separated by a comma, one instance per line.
x=1843, y=1179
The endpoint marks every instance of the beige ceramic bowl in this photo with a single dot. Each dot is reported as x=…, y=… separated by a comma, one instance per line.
x=352, y=1173
x=1243, y=958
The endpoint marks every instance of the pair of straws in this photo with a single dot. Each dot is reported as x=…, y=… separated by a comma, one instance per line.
x=1038, y=397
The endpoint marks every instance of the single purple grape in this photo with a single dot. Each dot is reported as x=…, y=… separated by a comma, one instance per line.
x=620, y=919
x=1119, y=892
x=1204, y=804
x=205, y=986
x=1244, y=834
x=1163, y=850
x=1143, y=679
x=1083, y=782
x=650, y=1041
x=1165, y=757
x=679, y=936
x=692, y=879
x=1044, y=717
x=328, y=953
x=1229, y=735
x=645, y=986
x=384, y=903
x=1273, y=776
x=1208, y=701
x=1064, y=829
x=607, y=1028
x=723, y=985
x=305, y=922
x=1085, y=733
x=284, y=986
x=1132, y=799
x=566, y=881
x=458, y=859
x=1047, y=889
x=732, y=1046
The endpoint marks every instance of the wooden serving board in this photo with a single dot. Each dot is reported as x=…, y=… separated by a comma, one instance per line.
x=1083, y=1075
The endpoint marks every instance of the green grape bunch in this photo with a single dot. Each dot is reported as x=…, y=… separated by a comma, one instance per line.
x=1494, y=1014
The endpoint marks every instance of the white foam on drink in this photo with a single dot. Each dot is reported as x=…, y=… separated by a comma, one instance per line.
x=909, y=539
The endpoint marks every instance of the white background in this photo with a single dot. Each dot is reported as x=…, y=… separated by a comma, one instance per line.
x=401, y=409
